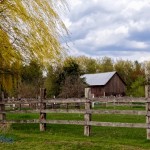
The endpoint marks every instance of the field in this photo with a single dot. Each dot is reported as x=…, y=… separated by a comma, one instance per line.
x=70, y=137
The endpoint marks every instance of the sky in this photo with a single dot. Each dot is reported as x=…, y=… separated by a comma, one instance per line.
x=119, y=29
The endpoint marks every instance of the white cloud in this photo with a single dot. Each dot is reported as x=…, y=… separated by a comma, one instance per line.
x=117, y=28
x=137, y=45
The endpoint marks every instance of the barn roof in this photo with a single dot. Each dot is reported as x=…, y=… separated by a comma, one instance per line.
x=98, y=78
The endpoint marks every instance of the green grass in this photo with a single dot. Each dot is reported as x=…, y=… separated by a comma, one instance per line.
x=70, y=137
x=95, y=117
x=103, y=106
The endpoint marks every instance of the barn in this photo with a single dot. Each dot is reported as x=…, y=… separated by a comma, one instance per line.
x=105, y=84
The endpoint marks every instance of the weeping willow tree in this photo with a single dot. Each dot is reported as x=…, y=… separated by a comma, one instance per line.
x=34, y=27
x=10, y=61
x=29, y=29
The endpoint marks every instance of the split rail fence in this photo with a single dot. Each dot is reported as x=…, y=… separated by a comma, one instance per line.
x=87, y=111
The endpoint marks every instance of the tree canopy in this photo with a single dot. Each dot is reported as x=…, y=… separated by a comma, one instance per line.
x=34, y=27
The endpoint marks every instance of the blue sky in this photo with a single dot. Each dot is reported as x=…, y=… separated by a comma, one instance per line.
x=112, y=28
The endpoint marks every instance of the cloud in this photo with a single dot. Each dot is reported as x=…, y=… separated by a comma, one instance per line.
x=110, y=28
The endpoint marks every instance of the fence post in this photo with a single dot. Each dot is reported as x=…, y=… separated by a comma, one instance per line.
x=147, y=95
x=42, y=107
x=87, y=115
x=2, y=108
x=148, y=119
x=87, y=119
x=88, y=93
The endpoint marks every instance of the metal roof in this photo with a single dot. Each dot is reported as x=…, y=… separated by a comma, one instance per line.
x=98, y=78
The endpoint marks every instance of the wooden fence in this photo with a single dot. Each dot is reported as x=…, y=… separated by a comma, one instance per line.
x=87, y=111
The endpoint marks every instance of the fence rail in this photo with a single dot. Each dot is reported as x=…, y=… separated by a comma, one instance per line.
x=76, y=111
x=100, y=99
x=48, y=101
x=75, y=122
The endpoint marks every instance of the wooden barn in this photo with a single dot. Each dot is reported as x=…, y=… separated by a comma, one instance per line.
x=105, y=84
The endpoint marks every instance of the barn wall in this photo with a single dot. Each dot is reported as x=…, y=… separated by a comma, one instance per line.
x=97, y=90
x=114, y=87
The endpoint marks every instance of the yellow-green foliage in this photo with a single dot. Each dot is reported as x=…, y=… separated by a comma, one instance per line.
x=10, y=61
x=7, y=52
x=34, y=26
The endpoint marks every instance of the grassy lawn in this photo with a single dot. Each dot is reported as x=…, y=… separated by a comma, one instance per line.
x=70, y=137
x=110, y=106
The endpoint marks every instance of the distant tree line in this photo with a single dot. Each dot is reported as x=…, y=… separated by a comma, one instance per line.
x=62, y=79
x=132, y=72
